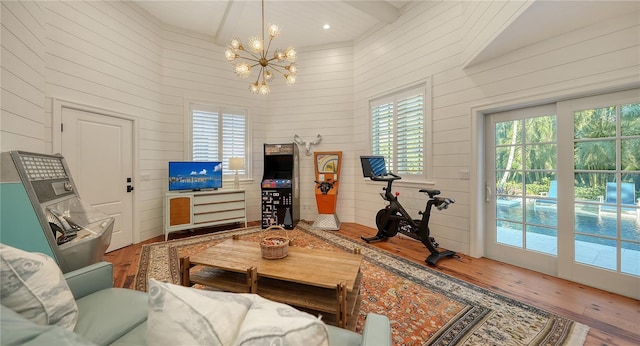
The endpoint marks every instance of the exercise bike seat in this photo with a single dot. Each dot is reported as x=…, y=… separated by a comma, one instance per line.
x=430, y=192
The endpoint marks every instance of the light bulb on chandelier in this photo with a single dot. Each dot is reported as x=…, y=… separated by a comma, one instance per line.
x=257, y=55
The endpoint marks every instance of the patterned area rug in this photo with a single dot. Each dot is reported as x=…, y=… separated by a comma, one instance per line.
x=425, y=307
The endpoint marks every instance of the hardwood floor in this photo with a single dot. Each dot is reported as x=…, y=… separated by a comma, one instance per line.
x=613, y=319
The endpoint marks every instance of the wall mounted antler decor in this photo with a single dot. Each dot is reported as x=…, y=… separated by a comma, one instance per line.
x=307, y=144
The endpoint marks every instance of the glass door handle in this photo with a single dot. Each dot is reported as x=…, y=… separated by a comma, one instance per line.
x=487, y=195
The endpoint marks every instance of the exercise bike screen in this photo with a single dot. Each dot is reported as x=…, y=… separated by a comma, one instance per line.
x=373, y=166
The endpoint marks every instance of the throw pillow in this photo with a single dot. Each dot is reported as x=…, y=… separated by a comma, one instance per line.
x=188, y=316
x=32, y=285
x=185, y=316
x=272, y=323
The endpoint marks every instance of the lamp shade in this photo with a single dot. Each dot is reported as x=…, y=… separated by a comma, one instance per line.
x=236, y=163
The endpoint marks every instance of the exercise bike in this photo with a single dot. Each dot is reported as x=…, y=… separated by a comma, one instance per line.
x=394, y=218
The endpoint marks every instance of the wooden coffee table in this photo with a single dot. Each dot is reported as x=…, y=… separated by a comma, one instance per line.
x=319, y=280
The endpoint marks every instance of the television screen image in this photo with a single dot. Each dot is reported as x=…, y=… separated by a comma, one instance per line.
x=195, y=176
x=373, y=166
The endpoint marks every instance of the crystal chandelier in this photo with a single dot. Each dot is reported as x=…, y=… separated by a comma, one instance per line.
x=256, y=55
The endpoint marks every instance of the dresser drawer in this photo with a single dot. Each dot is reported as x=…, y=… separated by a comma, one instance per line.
x=219, y=216
x=216, y=207
x=218, y=197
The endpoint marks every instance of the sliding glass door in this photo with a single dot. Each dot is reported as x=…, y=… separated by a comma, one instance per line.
x=603, y=248
x=522, y=188
x=563, y=190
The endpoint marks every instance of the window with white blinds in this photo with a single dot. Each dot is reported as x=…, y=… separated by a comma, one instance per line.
x=398, y=132
x=219, y=134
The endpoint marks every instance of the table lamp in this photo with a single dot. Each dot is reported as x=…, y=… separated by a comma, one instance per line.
x=236, y=163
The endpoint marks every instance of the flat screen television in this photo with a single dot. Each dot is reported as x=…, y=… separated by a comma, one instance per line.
x=195, y=175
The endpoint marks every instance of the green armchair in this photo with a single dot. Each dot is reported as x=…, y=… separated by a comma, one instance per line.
x=118, y=316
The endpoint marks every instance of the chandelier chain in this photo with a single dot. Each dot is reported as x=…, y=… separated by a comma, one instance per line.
x=264, y=53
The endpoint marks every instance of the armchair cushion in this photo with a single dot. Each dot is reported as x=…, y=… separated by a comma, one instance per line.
x=109, y=314
x=137, y=336
x=32, y=285
x=17, y=330
x=377, y=330
x=89, y=279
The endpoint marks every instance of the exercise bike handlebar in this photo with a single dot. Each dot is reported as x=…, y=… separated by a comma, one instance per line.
x=388, y=177
x=440, y=202
x=443, y=203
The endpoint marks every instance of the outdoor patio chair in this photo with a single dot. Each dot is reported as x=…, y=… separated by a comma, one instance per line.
x=627, y=198
x=552, y=193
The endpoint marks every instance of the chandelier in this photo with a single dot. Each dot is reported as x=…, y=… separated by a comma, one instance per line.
x=256, y=55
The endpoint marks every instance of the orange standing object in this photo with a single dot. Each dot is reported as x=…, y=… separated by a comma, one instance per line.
x=327, y=169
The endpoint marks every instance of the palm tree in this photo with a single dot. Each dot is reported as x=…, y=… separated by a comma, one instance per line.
x=541, y=148
x=512, y=150
x=630, y=130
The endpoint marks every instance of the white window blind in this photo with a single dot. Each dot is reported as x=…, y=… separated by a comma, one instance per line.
x=410, y=138
x=234, y=135
x=383, y=132
x=219, y=134
x=398, y=132
x=205, y=136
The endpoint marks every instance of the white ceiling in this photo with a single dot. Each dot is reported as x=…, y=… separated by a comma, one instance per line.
x=300, y=21
x=543, y=20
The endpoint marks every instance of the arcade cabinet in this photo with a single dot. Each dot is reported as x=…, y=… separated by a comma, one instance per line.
x=280, y=186
x=327, y=167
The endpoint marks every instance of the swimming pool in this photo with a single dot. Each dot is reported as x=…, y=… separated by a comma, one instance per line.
x=587, y=220
x=595, y=236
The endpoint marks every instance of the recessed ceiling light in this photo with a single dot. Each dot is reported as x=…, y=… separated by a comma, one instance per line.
x=326, y=26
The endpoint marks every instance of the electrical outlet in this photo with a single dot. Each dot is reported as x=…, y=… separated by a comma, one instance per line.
x=464, y=174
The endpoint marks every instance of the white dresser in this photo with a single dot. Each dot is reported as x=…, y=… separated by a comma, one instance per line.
x=189, y=210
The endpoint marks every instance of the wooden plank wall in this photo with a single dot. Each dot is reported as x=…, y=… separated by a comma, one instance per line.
x=108, y=55
x=433, y=40
x=115, y=56
x=321, y=102
x=22, y=118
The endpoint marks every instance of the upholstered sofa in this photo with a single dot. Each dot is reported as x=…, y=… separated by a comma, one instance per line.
x=116, y=316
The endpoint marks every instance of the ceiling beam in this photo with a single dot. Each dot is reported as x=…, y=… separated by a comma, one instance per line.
x=230, y=20
x=381, y=10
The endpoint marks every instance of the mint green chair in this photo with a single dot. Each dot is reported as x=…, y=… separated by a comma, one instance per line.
x=628, y=200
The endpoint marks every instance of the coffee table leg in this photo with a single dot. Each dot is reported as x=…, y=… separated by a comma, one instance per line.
x=252, y=279
x=185, y=265
x=341, y=313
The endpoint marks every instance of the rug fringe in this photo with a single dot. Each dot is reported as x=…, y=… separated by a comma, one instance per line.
x=578, y=334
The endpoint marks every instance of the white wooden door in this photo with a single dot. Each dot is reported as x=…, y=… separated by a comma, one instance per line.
x=98, y=149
